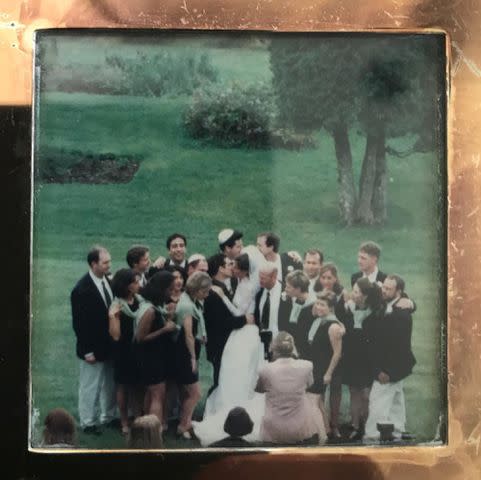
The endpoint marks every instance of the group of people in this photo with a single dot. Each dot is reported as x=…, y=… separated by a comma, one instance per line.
x=278, y=329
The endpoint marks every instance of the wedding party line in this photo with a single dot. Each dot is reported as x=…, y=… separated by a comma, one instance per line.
x=280, y=331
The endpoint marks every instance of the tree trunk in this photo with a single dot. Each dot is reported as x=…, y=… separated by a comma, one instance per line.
x=364, y=214
x=379, y=197
x=345, y=175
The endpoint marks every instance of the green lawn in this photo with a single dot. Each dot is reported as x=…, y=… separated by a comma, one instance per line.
x=198, y=190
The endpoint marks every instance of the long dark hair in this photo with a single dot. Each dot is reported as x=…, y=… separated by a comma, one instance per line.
x=121, y=281
x=156, y=289
x=372, y=291
x=337, y=288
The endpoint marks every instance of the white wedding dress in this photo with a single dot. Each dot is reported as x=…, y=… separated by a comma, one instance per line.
x=242, y=359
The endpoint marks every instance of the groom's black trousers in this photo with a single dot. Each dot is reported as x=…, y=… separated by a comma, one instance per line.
x=216, y=367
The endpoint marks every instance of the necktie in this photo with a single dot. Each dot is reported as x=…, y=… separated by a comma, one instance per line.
x=266, y=311
x=108, y=298
x=199, y=305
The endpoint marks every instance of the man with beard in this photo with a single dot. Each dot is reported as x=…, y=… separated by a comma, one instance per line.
x=392, y=361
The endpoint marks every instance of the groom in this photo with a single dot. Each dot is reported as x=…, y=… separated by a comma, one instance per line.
x=219, y=321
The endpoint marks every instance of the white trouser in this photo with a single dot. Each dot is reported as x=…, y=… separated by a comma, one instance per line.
x=386, y=405
x=96, y=388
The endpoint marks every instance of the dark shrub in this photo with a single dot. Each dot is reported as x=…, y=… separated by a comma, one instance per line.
x=240, y=116
x=58, y=165
x=232, y=116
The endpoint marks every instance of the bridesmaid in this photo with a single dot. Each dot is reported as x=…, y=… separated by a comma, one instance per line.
x=122, y=312
x=153, y=336
x=192, y=334
x=329, y=282
x=323, y=347
x=359, y=313
x=179, y=281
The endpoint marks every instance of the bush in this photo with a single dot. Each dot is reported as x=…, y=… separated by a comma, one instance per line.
x=235, y=116
x=161, y=74
x=58, y=165
x=145, y=75
x=232, y=116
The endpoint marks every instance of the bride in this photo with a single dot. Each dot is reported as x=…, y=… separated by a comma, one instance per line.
x=241, y=361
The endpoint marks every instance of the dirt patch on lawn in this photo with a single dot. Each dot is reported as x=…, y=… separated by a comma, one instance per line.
x=91, y=169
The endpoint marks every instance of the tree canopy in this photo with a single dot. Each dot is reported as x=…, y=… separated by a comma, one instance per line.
x=385, y=85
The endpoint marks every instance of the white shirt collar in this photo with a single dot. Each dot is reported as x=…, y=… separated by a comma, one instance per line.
x=98, y=283
x=97, y=280
x=390, y=305
x=372, y=276
x=275, y=297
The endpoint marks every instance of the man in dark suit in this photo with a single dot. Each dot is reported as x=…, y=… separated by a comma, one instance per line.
x=367, y=259
x=268, y=244
x=219, y=321
x=138, y=259
x=294, y=300
x=230, y=244
x=177, y=246
x=267, y=301
x=392, y=360
x=90, y=300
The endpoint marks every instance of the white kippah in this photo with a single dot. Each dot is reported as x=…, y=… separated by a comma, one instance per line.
x=224, y=235
x=194, y=257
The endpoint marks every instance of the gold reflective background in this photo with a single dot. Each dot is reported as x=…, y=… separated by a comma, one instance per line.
x=461, y=458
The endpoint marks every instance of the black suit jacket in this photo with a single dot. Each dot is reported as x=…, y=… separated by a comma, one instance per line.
x=380, y=277
x=219, y=323
x=391, y=345
x=285, y=309
x=303, y=326
x=288, y=265
x=90, y=320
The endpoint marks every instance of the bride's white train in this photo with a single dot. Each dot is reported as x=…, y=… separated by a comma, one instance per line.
x=242, y=358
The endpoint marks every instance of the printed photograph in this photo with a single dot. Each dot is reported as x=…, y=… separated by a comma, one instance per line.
x=238, y=240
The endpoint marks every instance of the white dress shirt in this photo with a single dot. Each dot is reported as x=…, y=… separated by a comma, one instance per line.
x=391, y=304
x=98, y=283
x=312, y=282
x=275, y=298
x=372, y=276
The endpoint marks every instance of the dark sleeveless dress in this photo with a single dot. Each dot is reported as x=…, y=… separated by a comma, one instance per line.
x=319, y=352
x=152, y=356
x=125, y=364
x=356, y=364
x=184, y=374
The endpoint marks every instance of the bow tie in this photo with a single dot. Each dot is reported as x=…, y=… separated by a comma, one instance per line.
x=300, y=302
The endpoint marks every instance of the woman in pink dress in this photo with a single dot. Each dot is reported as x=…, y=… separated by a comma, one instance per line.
x=289, y=417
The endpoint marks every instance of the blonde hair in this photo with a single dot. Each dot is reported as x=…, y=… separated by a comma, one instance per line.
x=283, y=346
x=197, y=281
x=145, y=432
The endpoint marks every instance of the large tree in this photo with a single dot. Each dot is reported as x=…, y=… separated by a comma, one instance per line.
x=384, y=85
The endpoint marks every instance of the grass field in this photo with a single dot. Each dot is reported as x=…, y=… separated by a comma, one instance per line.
x=198, y=190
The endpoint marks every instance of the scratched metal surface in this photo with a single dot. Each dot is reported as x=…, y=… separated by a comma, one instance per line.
x=461, y=458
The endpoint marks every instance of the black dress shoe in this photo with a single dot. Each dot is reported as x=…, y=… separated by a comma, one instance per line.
x=93, y=430
x=115, y=423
